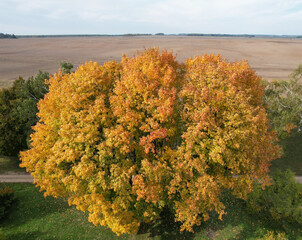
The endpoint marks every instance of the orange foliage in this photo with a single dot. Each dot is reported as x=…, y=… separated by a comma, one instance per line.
x=124, y=140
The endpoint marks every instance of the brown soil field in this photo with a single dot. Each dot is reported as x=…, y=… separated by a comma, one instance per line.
x=271, y=58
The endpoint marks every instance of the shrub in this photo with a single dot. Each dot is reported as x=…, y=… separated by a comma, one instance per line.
x=66, y=67
x=280, y=201
x=2, y=235
x=126, y=140
x=7, y=199
x=271, y=235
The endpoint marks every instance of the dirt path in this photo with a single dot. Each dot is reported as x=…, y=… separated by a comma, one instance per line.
x=12, y=177
x=299, y=179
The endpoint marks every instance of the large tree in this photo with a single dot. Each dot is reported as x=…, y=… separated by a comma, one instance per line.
x=284, y=103
x=125, y=140
x=18, y=109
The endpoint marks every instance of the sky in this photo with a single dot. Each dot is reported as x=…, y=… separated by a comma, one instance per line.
x=31, y=17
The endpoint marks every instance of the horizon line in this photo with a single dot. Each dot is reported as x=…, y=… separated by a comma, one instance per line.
x=162, y=34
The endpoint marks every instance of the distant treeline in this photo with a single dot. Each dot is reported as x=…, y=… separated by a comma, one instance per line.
x=239, y=35
x=84, y=35
x=162, y=34
x=4, y=35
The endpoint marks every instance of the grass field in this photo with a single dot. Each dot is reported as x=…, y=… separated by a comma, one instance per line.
x=36, y=217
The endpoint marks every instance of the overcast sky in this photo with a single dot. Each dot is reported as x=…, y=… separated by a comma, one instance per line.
x=151, y=16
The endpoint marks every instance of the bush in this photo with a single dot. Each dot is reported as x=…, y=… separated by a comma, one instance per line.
x=2, y=235
x=7, y=200
x=66, y=67
x=280, y=201
x=126, y=140
x=271, y=235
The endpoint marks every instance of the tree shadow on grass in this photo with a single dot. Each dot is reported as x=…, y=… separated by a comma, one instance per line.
x=238, y=223
x=265, y=223
x=292, y=156
x=166, y=228
x=29, y=236
x=32, y=205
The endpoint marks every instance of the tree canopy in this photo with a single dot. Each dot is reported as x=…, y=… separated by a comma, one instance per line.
x=284, y=103
x=18, y=108
x=125, y=140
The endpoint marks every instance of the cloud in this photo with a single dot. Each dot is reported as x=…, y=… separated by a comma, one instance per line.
x=177, y=15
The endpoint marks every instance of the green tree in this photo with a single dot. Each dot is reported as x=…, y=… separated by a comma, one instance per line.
x=66, y=67
x=280, y=201
x=18, y=109
x=31, y=91
x=11, y=132
x=284, y=103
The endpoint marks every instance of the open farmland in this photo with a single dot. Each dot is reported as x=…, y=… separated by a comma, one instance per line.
x=271, y=58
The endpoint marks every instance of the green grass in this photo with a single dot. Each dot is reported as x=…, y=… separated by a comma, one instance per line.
x=10, y=164
x=36, y=217
x=292, y=156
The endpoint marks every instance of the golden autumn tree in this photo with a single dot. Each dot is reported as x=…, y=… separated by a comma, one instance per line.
x=125, y=140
